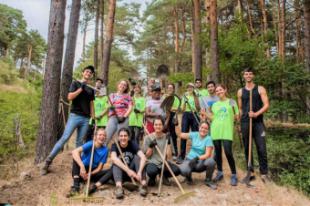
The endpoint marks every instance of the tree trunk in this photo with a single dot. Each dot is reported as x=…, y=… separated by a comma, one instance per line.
x=249, y=10
x=69, y=58
x=108, y=42
x=96, y=35
x=176, y=42
x=196, y=47
x=183, y=29
x=51, y=89
x=28, y=60
x=281, y=30
x=84, y=39
x=307, y=34
x=101, y=33
x=299, y=45
x=214, y=54
x=265, y=25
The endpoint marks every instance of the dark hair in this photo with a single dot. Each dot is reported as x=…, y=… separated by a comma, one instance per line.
x=221, y=85
x=204, y=122
x=160, y=118
x=198, y=79
x=90, y=67
x=210, y=82
x=248, y=69
x=124, y=129
x=99, y=79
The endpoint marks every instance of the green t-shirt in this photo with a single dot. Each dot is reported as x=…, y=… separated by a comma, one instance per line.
x=176, y=104
x=101, y=104
x=202, y=92
x=136, y=119
x=191, y=102
x=222, y=125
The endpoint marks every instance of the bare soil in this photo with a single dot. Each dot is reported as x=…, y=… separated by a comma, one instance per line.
x=33, y=189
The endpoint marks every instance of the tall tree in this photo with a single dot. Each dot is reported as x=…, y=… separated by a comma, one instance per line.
x=96, y=34
x=108, y=42
x=281, y=29
x=51, y=89
x=265, y=24
x=101, y=31
x=70, y=54
x=214, y=54
x=176, y=41
x=307, y=33
x=196, y=46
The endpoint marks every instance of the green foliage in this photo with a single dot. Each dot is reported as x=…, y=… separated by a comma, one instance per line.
x=12, y=25
x=7, y=73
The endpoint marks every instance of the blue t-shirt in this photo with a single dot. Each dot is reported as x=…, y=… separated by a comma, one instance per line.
x=100, y=154
x=198, y=145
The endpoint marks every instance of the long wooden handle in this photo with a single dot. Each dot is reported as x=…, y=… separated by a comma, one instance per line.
x=91, y=161
x=122, y=156
x=250, y=130
x=162, y=169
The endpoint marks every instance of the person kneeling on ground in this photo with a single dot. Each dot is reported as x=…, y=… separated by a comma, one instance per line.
x=199, y=158
x=81, y=163
x=155, y=162
x=132, y=168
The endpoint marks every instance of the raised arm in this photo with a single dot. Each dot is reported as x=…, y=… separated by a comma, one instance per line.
x=239, y=96
x=181, y=134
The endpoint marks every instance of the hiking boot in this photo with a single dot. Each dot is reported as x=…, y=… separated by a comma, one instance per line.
x=119, y=192
x=73, y=191
x=179, y=160
x=143, y=190
x=151, y=182
x=166, y=181
x=209, y=183
x=189, y=181
x=44, y=169
x=265, y=178
x=219, y=176
x=234, y=180
x=92, y=189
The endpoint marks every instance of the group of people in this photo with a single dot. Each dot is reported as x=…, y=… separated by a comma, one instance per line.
x=121, y=119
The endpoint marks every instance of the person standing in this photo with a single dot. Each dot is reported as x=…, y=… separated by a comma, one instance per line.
x=223, y=114
x=136, y=117
x=199, y=90
x=121, y=106
x=190, y=119
x=206, y=102
x=82, y=108
x=260, y=105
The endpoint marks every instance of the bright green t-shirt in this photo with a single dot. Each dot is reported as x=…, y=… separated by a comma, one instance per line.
x=101, y=104
x=222, y=125
x=176, y=104
x=191, y=102
x=202, y=92
x=136, y=119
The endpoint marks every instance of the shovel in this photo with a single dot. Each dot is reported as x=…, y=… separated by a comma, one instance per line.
x=162, y=171
x=246, y=180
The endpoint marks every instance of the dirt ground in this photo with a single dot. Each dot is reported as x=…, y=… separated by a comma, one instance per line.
x=33, y=189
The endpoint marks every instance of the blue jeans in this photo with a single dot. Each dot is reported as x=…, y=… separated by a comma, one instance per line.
x=75, y=121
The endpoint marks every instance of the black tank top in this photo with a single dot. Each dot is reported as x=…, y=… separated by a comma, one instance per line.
x=257, y=104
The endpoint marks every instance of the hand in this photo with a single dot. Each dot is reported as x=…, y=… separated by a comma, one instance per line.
x=136, y=110
x=252, y=114
x=193, y=162
x=131, y=173
x=83, y=85
x=121, y=119
x=153, y=143
x=83, y=173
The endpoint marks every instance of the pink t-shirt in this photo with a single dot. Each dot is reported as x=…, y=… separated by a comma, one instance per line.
x=121, y=102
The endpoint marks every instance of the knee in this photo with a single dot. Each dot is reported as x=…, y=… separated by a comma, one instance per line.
x=209, y=163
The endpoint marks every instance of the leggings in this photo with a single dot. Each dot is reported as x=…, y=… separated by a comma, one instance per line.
x=153, y=170
x=228, y=152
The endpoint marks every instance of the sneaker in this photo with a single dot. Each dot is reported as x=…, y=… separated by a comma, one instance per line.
x=234, y=180
x=44, y=169
x=209, y=183
x=179, y=160
x=166, y=181
x=92, y=189
x=219, y=176
x=73, y=191
x=265, y=178
x=151, y=182
x=119, y=192
x=143, y=190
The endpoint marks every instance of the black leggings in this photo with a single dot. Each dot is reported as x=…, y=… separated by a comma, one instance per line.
x=153, y=170
x=228, y=152
x=103, y=176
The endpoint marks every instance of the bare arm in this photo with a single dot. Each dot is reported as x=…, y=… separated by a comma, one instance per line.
x=142, y=161
x=207, y=154
x=73, y=95
x=128, y=111
x=76, y=154
x=264, y=96
x=98, y=169
x=239, y=96
x=119, y=163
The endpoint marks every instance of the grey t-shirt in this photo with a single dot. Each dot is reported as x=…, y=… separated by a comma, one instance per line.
x=155, y=158
x=208, y=101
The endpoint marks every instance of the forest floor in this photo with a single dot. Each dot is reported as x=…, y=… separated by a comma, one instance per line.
x=30, y=188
